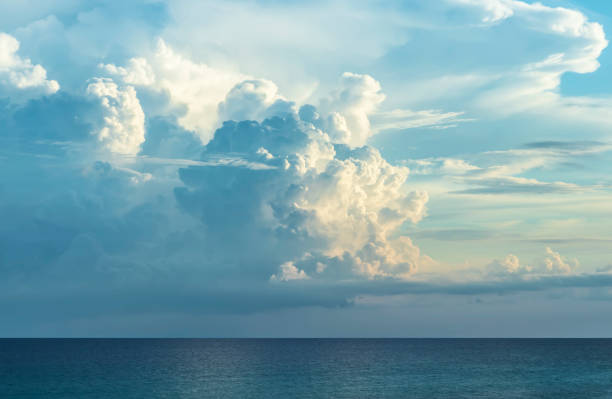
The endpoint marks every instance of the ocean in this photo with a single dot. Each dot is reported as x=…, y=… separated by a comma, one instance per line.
x=305, y=368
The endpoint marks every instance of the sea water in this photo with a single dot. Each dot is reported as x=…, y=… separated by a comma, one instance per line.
x=305, y=368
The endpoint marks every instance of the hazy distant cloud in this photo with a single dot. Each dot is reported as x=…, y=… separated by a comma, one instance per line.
x=492, y=10
x=570, y=147
x=518, y=185
x=409, y=119
x=605, y=269
x=555, y=263
x=551, y=263
x=454, y=234
x=499, y=172
x=510, y=265
x=287, y=272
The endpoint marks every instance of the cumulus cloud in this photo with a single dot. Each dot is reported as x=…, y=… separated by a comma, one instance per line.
x=349, y=114
x=209, y=95
x=194, y=89
x=555, y=263
x=338, y=204
x=287, y=272
x=123, y=129
x=552, y=263
x=137, y=72
x=255, y=99
x=349, y=106
x=19, y=77
x=510, y=265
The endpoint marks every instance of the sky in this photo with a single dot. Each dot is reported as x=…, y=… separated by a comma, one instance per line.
x=265, y=168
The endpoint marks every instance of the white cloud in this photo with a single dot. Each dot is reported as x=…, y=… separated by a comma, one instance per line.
x=499, y=172
x=288, y=272
x=492, y=10
x=349, y=106
x=19, y=78
x=137, y=72
x=510, y=265
x=576, y=45
x=555, y=263
x=342, y=206
x=194, y=89
x=442, y=166
x=123, y=129
x=254, y=99
x=409, y=119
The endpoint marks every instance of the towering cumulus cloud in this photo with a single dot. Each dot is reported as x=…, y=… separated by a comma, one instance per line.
x=123, y=128
x=194, y=89
x=349, y=106
x=310, y=202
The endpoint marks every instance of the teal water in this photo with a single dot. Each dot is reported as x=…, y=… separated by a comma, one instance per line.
x=305, y=368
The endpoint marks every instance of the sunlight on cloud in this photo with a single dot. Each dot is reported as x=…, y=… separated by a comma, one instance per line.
x=195, y=88
x=18, y=76
x=123, y=128
x=324, y=201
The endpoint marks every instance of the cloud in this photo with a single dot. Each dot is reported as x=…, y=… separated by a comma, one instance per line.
x=570, y=147
x=517, y=70
x=555, y=263
x=349, y=106
x=492, y=10
x=534, y=84
x=194, y=89
x=255, y=99
x=518, y=185
x=510, y=265
x=440, y=166
x=408, y=119
x=287, y=272
x=211, y=96
x=191, y=180
x=503, y=171
x=321, y=198
x=19, y=78
x=123, y=128
x=501, y=176
x=137, y=72
x=604, y=269
x=455, y=235
x=552, y=264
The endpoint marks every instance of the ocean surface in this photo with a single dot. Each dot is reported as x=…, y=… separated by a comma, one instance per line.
x=305, y=368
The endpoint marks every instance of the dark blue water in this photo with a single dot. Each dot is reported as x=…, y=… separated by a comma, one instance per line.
x=306, y=368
